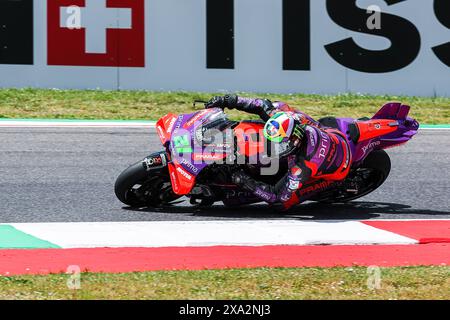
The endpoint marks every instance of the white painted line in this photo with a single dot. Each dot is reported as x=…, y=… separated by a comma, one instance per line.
x=210, y=233
x=76, y=124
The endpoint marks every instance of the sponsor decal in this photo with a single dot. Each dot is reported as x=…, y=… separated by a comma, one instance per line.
x=196, y=118
x=320, y=186
x=174, y=180
x=370, y=146
x=231, y=194
x=212, y=149
x=293, y=184
x=164, y=159
x=184, y=173
x=299, y=131
x=179, y=122
x=332, y=152
x=208, y=157
x=264, y=195
x=150, y=162
x=312, y=141
x=112, y=33
x=104, y=33
x=325, y=144
x=189, y=165
x=171, y=124
x=224, y=146
x=161, y=133
x=157, y=161
x=297, y=34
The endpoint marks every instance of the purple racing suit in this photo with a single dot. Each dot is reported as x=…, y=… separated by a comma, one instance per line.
x=323, y=154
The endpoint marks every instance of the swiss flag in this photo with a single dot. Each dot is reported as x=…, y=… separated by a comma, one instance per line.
x=109, y=33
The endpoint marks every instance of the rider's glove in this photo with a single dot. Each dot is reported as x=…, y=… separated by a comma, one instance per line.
x=228, y=101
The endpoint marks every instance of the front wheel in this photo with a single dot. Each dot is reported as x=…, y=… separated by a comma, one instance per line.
x=137, y=187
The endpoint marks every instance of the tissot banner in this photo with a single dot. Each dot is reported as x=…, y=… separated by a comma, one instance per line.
x=16, y=32
x=286, y=46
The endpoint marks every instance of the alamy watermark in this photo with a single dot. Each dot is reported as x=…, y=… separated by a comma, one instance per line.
x=374, y=20
x=74, y=281
x=374, y=278
x=73, y=20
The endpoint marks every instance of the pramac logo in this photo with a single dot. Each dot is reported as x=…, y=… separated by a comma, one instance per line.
x=96, y=33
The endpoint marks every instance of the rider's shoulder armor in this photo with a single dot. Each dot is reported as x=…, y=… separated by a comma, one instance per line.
x=311, y=141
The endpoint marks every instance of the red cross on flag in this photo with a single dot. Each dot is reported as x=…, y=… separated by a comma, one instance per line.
x=106, y=33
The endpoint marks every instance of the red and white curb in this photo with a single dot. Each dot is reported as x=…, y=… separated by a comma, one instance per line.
x=147, y=246
x=210, y=233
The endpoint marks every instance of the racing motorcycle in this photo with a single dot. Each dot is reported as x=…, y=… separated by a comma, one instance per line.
x=204, y=148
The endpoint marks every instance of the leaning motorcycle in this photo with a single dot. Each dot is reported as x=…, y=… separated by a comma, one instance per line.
x=203, y=149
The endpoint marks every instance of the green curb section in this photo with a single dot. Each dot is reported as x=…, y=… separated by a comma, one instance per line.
x=11, y=238
x=435, y=126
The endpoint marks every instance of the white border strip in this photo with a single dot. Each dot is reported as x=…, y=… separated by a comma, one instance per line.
x=210, y=233
x=75, y=124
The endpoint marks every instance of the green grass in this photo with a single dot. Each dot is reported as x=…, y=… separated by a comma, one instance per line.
x=140, y=105
x=303, y=283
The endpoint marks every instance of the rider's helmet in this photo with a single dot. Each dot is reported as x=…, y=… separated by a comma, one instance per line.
x=284, y=127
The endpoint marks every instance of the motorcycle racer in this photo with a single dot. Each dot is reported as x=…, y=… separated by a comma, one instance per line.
x=314, y=151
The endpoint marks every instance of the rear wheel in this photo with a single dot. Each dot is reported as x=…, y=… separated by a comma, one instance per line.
x=138, y=187
x=363, y=180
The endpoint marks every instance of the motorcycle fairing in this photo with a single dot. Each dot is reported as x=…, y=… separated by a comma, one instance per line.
x=375, y=128
x=250, y=139
x=165, y=126
x=388, y=128
x=182, y=181
x=187, y=161
x=192, y=151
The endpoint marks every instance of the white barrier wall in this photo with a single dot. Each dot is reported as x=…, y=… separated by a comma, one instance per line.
x=179, y=45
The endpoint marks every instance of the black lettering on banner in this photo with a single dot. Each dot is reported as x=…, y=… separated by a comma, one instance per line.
x=220, y=34
x=442, y=11
x=16, y=32
x=296, y=35
x=404, y=36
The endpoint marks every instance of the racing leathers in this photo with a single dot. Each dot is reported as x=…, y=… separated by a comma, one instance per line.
x=323, y=153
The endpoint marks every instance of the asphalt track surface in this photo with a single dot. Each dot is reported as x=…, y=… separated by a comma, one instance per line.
x=68, y=175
